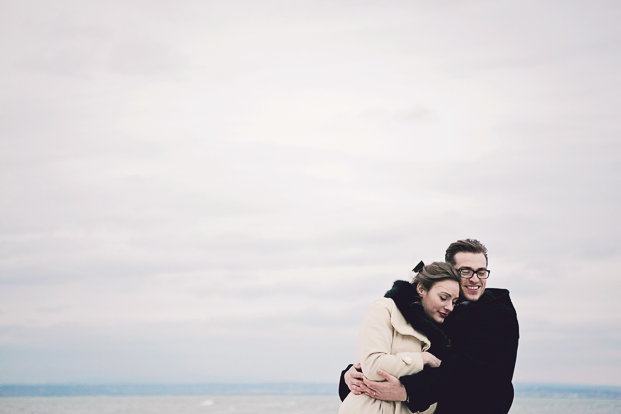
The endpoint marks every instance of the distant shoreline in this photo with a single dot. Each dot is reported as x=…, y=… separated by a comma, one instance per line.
x=67, y=390
x=527, y=390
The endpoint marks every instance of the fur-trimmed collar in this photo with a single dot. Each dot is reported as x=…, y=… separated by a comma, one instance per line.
x=406, y=298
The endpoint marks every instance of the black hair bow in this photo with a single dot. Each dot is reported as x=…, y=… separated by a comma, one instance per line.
x=418, y=267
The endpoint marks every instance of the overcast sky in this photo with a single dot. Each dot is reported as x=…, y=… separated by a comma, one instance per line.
x=215, y=191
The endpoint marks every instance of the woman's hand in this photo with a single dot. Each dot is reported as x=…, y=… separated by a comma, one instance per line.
x=430, y=360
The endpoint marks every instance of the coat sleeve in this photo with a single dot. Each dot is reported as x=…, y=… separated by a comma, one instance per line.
x=343, y=388
x=487, y=360
x=375, y=343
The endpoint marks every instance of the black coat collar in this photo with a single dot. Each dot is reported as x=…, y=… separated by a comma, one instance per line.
x=406, y=298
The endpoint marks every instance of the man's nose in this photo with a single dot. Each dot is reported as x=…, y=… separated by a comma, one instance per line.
x=474, y=274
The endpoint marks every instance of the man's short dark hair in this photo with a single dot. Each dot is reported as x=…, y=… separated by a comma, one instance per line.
x=468, y=246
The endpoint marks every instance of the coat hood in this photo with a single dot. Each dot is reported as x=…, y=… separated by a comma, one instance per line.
x=495, y=295
x=491, y=297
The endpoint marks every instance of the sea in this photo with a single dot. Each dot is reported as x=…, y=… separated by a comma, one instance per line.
x=536, y=400
x=272, y=404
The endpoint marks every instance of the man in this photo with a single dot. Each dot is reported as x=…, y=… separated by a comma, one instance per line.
x=483, y=328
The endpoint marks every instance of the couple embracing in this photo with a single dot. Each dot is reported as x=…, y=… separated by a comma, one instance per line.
x=441, y=344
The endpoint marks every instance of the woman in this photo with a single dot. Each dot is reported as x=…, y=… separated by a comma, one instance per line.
x=400, y=334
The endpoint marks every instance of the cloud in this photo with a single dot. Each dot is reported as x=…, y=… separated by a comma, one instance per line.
x=193, y=190
x=144, y=58
x=545, y=347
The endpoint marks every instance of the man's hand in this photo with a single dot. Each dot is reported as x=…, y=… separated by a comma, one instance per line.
x=389, y=390
x=354, y=379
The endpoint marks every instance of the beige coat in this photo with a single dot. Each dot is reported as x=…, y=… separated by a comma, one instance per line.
x=389, y=342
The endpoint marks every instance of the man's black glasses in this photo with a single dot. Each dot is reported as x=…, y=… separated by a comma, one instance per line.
x=467, y=273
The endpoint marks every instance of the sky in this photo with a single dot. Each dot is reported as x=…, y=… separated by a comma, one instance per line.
x=215, y=191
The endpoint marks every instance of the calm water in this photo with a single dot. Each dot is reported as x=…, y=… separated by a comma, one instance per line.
x=256, y=405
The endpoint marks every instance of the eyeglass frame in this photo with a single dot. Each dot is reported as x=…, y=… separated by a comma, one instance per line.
x=474, y=272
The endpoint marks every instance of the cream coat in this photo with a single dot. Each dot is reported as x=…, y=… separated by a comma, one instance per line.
x=388, y=342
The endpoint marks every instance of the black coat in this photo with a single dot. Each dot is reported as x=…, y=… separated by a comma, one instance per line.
x=476, y=378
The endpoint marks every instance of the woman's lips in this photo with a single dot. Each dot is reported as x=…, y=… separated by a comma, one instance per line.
x=444, y=315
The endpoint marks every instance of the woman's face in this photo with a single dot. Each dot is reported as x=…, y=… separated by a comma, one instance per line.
x=439, y=300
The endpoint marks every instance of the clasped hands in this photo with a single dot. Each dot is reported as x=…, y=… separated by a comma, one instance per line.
x=389, y=390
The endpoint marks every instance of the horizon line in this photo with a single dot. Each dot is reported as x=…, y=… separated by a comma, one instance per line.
x=253, y=383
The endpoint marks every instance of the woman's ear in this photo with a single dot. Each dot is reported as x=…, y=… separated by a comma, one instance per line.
x=420, y=289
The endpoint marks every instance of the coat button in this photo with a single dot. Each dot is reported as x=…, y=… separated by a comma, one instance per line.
x=407, y=360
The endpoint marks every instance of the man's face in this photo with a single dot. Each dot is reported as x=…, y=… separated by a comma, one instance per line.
x=473, y=288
